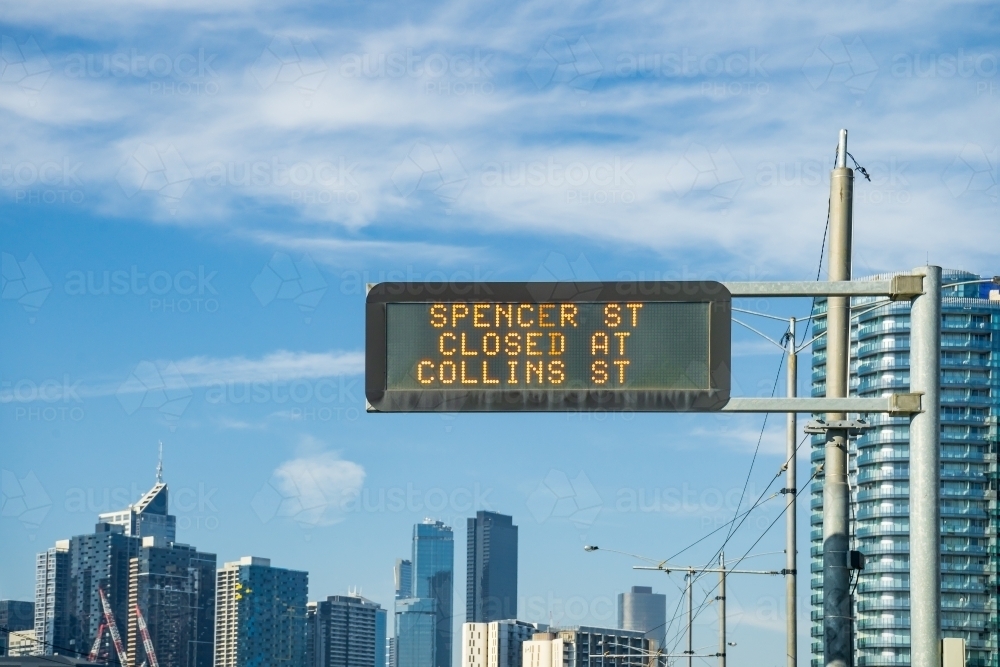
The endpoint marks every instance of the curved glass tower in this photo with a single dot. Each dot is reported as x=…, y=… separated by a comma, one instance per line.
x=879, y=476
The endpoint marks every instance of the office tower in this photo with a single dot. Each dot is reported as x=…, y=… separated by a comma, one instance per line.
x=311, y=635
x=403, y=576
x=174, y=587
x=879, y=475
x=16, y=616
x=129, y=557
x=642, y=610
x=423, y=618
x=381, y=637
x=51, y=599
x=583, y=646
x=416, y=632
x=149, y=517
x=433, y=579
x=260, y=615
x=491, y=571
x=497, y=643
x=347, y=631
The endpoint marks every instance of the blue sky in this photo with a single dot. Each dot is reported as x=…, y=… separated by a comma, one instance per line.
x=195, y=193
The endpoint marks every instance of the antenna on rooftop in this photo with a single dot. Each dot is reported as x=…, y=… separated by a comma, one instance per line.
x=159, y=466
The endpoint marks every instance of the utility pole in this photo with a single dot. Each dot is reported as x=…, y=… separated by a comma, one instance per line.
x=925, y=473
x=837, y=623
x=791, y=493
x=722, y=609
x=690, y=592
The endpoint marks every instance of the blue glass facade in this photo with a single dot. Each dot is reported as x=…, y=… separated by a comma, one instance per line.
x=433, y=583
x=879, y=477
x=416, y=632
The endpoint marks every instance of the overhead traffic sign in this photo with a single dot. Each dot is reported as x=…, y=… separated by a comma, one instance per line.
x=642, y=346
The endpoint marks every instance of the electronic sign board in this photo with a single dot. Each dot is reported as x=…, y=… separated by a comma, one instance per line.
x=642, y=346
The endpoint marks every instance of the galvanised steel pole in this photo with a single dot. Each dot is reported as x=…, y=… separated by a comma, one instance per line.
x=722, y=609
x=690, y=637
x=837, y=628
x=925, y=473
x=791, y=583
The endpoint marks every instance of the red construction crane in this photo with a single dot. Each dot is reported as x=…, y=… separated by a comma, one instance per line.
x=96, y=649
x=146, y=641
x=109, y=619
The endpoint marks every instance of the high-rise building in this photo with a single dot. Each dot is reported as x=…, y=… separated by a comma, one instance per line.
x=416, y=632
x=587, y=647
x=402, y=574
x=52, y=599
x=497, y=643
x=98, y=562
x=433, y=573
x=174, y=588
x=149, y=517
x=381, y=637
x=130, y=559
x=642, y=610
x=403, y=577
x=491, y=571
x=346, y=631
x=16, y=616
x=260, y=615
x=879, y=476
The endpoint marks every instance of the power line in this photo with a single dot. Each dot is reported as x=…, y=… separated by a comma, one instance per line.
x=706, y=602
x=760, y=438
x=778, y=474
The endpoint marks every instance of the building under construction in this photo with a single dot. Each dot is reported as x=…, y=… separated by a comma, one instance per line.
x=133, y=561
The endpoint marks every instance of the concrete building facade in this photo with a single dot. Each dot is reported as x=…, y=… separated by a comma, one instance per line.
x=260, y=615
x=497, y=643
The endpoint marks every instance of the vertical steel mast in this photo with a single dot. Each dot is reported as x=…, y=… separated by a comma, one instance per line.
x=837, y=623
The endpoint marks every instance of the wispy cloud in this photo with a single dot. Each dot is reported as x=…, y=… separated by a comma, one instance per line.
x=204, y=371
x=312, y=489
x=276, y=366
x=714, y=117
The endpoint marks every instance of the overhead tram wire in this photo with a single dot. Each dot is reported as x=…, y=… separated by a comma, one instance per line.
x=746, y=482
x=708, y=598
x=756, y=451
x=760, y=501
x=744, y=515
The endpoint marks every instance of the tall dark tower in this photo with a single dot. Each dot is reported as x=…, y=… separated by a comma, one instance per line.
x=491, y=574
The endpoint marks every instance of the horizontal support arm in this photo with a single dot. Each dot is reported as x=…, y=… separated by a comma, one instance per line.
x=899, y=287
x=896, y=404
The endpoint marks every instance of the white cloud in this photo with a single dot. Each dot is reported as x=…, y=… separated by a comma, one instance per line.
x=276, y=366
x=649, y=122
x=313, y=489
x=205, y=371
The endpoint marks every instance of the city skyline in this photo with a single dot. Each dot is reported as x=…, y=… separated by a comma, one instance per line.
x=141, y=535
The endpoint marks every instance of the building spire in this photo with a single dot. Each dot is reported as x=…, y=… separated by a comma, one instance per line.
x=159, y=466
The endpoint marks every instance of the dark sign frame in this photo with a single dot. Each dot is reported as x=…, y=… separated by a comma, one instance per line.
x=549, y=400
